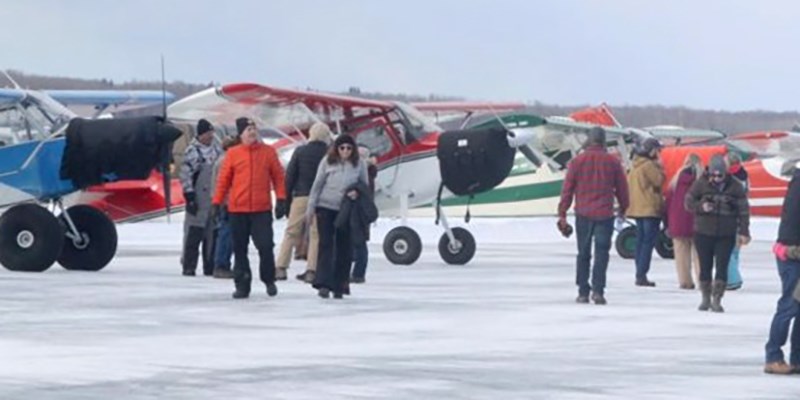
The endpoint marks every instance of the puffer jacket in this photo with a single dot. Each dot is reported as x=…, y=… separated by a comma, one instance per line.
x=645, y=181
x=356, y=215
x=248, y=176
x=302, y=168
x=730, y=214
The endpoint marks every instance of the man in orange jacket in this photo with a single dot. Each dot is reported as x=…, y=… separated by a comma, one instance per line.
x=248, y=175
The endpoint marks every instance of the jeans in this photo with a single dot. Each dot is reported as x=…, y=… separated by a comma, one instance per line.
x=646, y=235
x=360, y=258
x=585, y=230
x=787, y=313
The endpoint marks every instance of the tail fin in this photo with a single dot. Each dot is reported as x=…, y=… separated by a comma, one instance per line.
x=600, y=115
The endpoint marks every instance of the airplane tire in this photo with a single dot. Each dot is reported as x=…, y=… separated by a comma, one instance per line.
x=402, y=246
x=625, y=243
x=664, y=246
x=100, y=240
x=461, y=256
x=31, y=238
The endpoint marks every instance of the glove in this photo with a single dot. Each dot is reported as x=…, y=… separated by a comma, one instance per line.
x=191, y=203
x=781, y=251
x=280, y=209
x=564, y=227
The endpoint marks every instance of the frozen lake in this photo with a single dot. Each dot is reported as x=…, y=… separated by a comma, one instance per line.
x=503, y=327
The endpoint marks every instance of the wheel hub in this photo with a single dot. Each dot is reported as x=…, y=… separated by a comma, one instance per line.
x=400, y=246
x=454, y=247
x=81, y=242
x=25, y=239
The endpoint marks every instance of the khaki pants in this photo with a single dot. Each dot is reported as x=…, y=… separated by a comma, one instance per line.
x=686, y=261
x=294, y=236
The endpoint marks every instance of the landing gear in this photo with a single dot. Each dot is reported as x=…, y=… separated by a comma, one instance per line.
x=91, y=239
x=30, y=238
x=458, y=251
x=402, y=246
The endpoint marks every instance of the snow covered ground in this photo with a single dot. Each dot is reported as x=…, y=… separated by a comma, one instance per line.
x=503, y=327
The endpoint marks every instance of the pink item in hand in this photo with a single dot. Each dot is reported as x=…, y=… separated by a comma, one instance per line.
x=780, y=251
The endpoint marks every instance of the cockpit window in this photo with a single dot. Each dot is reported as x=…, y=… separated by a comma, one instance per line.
x=418, y=125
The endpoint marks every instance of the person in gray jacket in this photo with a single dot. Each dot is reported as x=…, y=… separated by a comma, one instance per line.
x=340, y=169
x=196, y=178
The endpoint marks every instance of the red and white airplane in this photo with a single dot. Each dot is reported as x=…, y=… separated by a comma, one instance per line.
x=399, y=135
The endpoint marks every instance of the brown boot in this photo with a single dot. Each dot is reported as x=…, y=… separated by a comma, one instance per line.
x=779, y=368
x=280, y=274
x=717, y=291
x=705, y=291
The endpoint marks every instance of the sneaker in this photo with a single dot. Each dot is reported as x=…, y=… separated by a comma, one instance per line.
x=598, y=299
x=644, y=282
x=189, y=272
x=280, y=274
x=358, y=280
x=324, y=293
x=778, y=368
x=272, y=290
x=223, y=273
x=581, y=299
x=240, y=294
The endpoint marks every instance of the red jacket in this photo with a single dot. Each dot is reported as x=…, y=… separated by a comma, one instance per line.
x=594, y=178
x=247, y=176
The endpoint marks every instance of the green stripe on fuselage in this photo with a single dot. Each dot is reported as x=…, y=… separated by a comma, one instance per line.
x=534, y=191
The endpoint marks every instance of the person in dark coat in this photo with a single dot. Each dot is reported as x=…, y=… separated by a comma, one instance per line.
x=787, y=312
x=300, y=174
x=721, y=220
x=361, y=250
x=680, y=223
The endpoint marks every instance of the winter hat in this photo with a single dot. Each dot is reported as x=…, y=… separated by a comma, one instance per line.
x=319, y=132
x=242, y=123
x=717, y=165
x=649, y=145
x=203, y=126
x=344, y=139
x=596, y=135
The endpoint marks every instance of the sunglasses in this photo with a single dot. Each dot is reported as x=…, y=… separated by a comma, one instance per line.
x=346, y=147
x=717, y=175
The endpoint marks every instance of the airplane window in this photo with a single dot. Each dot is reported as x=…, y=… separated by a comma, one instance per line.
x=375, y=139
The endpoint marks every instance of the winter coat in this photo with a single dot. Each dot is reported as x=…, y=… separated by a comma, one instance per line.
x=680, y=222
x=303, y=167
x=248, y=176
x=331, y=181
x=789, y=229
x=645, y=181
x=196, y=176
x=730, y=214
x=356, y=215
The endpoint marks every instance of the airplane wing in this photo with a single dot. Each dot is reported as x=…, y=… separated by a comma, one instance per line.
x=676, y=135
x=11, y=96
x=784, y=144
x=110, y=97
x=456, y=106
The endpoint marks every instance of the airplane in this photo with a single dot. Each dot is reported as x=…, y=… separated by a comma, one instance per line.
x=48, y=154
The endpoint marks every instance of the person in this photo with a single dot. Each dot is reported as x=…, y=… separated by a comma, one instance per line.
x=300, y=174
x=736, y=169
x=721, y=220
x=340, y=169
x=680, y=223
x=360, y=249
x=645, y=181
x=594, y=178
x=787, y=311
x=195, y=177
x=249, y=173
x=223, y=243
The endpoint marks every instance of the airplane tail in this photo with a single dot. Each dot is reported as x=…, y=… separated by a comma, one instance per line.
x=600, y=115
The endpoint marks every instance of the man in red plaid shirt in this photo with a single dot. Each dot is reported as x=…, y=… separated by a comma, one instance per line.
x=594, y=178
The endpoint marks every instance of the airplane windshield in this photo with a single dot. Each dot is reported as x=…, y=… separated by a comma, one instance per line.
x=420, y=126
x=36, y=117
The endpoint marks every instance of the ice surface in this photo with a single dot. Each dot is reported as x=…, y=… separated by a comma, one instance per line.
x=503, y=327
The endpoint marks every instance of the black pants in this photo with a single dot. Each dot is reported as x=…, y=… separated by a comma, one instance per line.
x=196, y=238
x=259, y=227
x=711, y=249
x=335, y=253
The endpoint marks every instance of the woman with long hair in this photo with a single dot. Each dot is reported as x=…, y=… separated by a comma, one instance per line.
x=340, y=169
x=680, y=222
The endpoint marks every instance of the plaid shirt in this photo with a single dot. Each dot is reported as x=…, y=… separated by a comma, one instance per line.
x=594, y=178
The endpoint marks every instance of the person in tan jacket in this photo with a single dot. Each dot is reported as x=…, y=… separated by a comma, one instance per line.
x=645, y=181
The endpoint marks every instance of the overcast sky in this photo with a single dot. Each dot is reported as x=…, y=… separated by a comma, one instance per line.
x=733, y=55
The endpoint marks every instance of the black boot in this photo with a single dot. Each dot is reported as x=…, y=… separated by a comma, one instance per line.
x=717, y=291
x=241, y=294
x=705, y=291
x=272, y=290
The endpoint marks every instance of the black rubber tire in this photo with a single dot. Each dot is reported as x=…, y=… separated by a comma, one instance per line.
x=102, y=236
x=664, y=246
x=625, y=243
x=402, y=246
x=465, y=253
x=45, y=231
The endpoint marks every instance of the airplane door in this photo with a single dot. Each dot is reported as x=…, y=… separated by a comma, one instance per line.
x=378, y=137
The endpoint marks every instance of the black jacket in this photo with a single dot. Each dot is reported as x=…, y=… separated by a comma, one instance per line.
x=730, y=214
x=302, y=168
x=356, y=215
x=789, y=229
